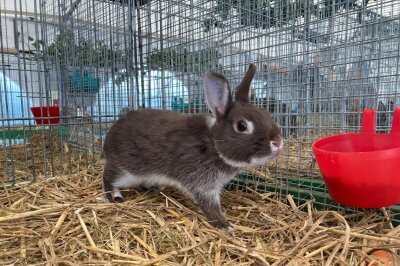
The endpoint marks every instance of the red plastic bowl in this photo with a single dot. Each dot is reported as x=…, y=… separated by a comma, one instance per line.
x=362, y=169
x=46, y=111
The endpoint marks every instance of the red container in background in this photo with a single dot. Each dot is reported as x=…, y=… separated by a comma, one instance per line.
x=41, y=113
x=362, y=169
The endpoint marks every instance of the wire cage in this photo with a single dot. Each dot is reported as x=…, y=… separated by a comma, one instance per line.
x=319, y=63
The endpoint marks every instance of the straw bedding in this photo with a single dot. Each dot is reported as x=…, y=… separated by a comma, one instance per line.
x=296, y=158
x=64, y=221
x=43, y=155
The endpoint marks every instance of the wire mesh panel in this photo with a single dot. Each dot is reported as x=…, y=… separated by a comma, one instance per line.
x=320, y=63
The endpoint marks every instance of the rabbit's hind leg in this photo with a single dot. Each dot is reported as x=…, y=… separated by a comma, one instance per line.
x=112, y=193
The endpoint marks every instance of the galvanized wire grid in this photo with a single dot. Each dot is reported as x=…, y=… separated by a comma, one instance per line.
x=319, y=64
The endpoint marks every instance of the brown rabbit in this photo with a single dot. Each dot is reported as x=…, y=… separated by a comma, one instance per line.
x=197, y=154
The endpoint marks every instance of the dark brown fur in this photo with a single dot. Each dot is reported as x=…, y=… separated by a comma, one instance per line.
x=187, y=150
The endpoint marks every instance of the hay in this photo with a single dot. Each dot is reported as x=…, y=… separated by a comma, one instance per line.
x=63, y=220
x=43, y=155
x=296, y=160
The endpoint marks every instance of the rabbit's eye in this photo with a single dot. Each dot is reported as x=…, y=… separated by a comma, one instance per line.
x=244, y=127
x=241, y=126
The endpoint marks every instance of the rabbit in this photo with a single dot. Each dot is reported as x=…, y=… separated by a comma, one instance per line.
x=196, y=154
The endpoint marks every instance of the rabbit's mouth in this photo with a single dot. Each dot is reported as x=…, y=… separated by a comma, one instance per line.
x=276, y=146
x=263, y=156
x=253, y=161
x=257, y=161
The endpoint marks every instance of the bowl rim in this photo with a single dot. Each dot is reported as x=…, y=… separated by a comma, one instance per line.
x=344, y=153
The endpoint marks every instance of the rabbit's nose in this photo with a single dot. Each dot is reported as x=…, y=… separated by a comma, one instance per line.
x=276, y=145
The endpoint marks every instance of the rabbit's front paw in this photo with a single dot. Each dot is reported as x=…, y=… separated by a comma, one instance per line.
x=222, y=225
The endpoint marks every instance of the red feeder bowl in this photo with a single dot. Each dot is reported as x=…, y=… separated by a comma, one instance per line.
x=362, y=169
x=46, y=111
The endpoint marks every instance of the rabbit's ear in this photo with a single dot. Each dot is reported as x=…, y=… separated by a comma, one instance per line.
x=218, y=94
x=243, y=93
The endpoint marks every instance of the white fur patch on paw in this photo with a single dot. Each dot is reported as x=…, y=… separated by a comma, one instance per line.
x=228, y=229
x=117, y=194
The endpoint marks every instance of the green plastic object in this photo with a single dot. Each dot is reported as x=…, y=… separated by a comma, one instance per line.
x=179, y=105
x=86, y=83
